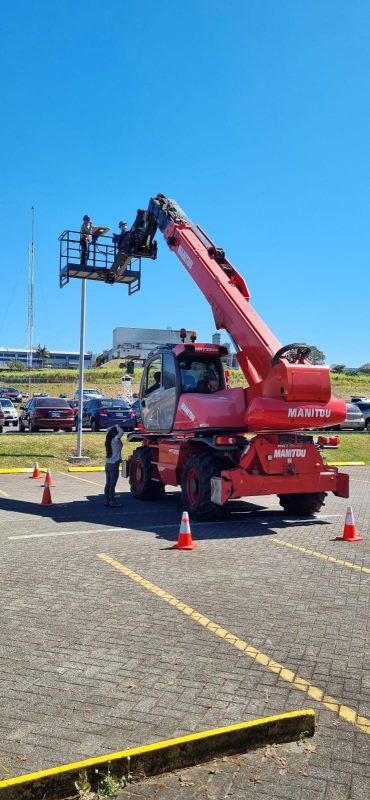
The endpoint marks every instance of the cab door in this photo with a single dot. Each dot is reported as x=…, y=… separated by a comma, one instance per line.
x=151, y=394
x=169, y=394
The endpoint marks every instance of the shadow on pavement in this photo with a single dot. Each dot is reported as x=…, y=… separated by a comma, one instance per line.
x=162, y=517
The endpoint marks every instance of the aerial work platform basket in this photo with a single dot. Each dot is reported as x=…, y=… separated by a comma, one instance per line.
x=104, y=263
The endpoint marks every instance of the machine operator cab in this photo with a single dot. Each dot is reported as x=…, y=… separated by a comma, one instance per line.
x=173, y=373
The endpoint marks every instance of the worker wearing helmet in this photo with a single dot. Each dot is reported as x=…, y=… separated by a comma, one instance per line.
x=121, y=237
x=85, y=239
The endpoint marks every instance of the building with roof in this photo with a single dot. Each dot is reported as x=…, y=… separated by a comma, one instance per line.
x=59, y=359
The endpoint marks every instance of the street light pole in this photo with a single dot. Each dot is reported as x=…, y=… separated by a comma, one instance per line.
x=82, y=368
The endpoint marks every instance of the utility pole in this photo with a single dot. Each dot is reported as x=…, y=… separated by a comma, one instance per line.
x=31, y=284
x=82, y=368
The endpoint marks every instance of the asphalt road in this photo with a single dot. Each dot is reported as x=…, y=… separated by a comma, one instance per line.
x=109, y=638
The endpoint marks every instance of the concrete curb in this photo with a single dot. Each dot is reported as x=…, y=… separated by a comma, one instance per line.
x=19, y=470
x=346, y=463
x=152, y=759
x=86, y=469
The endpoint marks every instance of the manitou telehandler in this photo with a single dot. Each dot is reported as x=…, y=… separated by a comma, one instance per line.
x=195, y=430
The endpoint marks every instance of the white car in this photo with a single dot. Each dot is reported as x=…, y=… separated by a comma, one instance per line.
x=10, y=412
x=88, y=394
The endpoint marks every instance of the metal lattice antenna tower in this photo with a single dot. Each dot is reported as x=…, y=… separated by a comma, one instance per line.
x=31, y=283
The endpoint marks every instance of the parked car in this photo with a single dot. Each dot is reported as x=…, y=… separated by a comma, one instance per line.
x=364, y=408
x=102, y=413
x=10, y=412
x=136, y=407
x=358, y=399
x=73, y=404
x=87, y=394
x=41, y=413
x=11, y=393
x=354, y=419
x=1, y=420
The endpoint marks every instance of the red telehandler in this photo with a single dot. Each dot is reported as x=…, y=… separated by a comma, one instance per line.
x=195, y=430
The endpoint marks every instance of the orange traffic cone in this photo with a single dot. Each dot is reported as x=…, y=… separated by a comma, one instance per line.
x=46, y=496
x=48, y=479
x=36, y=471
x=349, y=530
x=185, y=541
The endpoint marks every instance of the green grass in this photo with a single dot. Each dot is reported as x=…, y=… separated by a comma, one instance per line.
x=52, y=450
x=353, y=447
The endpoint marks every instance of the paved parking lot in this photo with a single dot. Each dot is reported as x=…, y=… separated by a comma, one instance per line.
x=109, y=638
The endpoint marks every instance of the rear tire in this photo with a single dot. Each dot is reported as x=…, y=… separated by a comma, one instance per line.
x=95, y=426
x=142, y=485
x=32, y=428
x=302, y=504
x=367, y=425
x=196, y=486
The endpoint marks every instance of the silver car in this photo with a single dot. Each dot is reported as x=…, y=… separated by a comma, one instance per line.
x=10, y=412
x=354, y=420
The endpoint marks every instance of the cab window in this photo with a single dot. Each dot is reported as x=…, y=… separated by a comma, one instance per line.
x=153, y=376
x=201, y=375
x=169, y=371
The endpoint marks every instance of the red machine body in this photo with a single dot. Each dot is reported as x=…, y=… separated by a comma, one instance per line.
x=195, y=429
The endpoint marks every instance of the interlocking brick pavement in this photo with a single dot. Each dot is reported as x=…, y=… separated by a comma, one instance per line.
x=92, y=662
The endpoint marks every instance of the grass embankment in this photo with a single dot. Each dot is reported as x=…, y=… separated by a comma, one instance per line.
x=52, y=450
x=107, y=378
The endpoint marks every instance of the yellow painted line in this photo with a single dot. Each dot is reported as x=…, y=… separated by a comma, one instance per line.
x=298, y=720
x=329, y=702
x=346, y=463
x=324, y=556
x=84, y=480
x=86, y=469
x=4, y=494
x=19, y=470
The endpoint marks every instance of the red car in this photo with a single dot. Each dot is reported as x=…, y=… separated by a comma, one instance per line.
x=42, y=413
x=11, y=393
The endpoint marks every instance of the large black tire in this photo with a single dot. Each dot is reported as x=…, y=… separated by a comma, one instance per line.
x=32, y=428
x=302, y=504
x=95, y=426
x=196, y=486
x=367, y=424
x=142, y=485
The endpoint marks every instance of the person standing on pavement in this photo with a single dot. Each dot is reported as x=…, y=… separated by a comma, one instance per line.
x=113, y=448
x=85, y=239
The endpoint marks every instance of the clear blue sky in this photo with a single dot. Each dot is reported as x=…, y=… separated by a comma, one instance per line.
x=253, y=114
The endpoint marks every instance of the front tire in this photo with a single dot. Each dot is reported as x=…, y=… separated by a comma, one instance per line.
x=302, y=504
x=196, y=486
x=367, y=425
x=142, y=485
x=32, y=428
x=95, y=426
